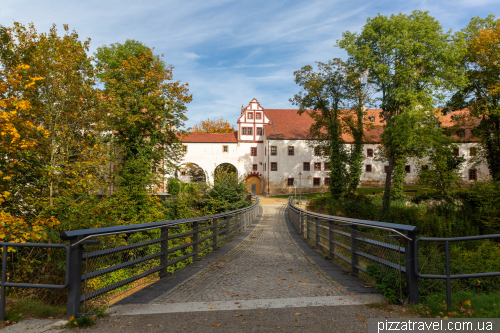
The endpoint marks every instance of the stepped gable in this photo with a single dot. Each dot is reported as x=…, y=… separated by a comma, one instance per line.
x=210, y=137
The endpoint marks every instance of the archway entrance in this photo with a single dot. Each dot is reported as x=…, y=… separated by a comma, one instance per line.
x=254, y=185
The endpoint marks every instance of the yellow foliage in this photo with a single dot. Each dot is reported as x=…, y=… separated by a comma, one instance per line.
x=213, y=126
x=18, y=230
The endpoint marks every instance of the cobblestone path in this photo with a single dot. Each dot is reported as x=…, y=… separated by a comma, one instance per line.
x=266, y=265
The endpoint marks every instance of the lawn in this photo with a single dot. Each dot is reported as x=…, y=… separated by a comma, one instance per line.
x=18, y=309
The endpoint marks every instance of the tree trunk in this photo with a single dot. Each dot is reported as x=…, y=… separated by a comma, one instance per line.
x=386, y=201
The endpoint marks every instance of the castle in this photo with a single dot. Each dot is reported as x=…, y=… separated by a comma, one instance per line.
x=273, y=148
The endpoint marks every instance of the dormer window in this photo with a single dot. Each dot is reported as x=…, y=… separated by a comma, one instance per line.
x=372, y=118
x=250, y=115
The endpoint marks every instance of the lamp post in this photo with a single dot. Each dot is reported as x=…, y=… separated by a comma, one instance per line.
x=300, y=186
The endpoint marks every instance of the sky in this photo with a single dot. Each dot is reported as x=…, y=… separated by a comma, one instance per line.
x=232, y=51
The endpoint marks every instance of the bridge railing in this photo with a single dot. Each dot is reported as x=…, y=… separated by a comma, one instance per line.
x=374, y=248
x=109, y=259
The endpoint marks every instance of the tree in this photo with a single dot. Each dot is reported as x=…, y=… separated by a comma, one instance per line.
x=145, y=109
x=213, y=126
x=481, y=91
x=337, y=94
x=409, y=60
x=67, y=161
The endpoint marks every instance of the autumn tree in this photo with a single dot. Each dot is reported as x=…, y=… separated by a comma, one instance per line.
x=410, y=61
x=69, y=155
x=481, y=91
x=213, y=126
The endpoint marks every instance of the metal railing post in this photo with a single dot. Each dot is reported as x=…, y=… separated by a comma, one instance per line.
x=164, y=253
x=411, y=270
x=195, y=240
x=4, y=280
x=75, y=279
x=316, y=220
x=354, y=250
x=215, y=232
x=331, y=238
x=308, y=229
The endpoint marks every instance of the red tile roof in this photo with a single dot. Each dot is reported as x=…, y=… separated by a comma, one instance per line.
x=210, y=137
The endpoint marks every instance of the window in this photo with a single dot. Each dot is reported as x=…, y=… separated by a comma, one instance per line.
x=244, y=131
x=273, y=151
x=290, y=151
x=290, y=181
x=183, y=172
x=185, y=148
x=259, y=130
x=153, y=169
x=258, y=115
x=407, y=168
x=307, y=166
x=472, y=174
x=274, y=166
x=249, y=131
x=386, y=168
x=317, y=151
x=472, y=151
x=372, y=119
x=316, y=181
x=327, y=181
x=368, y=168
x=254, y=167
x=425, y=167
x=317, y=166
x=326, y=152
x=327, y=167
x=225, y=149
x=369, y=153
x=455, y=152
x=250, y=115
x=253, y=151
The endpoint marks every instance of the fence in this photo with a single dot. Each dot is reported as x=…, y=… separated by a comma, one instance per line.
x=123, y=255
x=369, y=247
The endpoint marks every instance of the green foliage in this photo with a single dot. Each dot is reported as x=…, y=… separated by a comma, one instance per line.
x=228, y=192
x=173, y=186
x=80, y=322
x=410, y=61
x=387, y=281
x=463, y=304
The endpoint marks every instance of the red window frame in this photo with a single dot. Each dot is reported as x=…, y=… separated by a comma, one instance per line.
x=252, y=151
x=327, y=181
x=408, y=168
x=316, y=180
x=317, y=151
x=243, y=131
x=327, y=168
x=275, y=152
x=254, y=167
x=369, y=152
x=293, y=151
x=259, y=130
x=290, y=182
x=472, y=151
x=317, y=166
x=308, y=166
x=472, y=174
x=258, y=115
x=274, y=166
x=368, y=168
x=249, y=131
x=250, y=115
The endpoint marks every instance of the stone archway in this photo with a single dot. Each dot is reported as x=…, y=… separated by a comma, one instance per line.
x=254, y=179
x=191, y=172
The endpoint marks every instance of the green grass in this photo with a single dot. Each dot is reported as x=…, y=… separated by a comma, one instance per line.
x=18, y=309
x=481, y=305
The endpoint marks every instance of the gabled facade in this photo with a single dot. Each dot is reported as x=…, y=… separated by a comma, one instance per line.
x=272, y=146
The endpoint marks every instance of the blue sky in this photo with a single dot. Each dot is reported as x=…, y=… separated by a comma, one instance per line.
x=232, y=51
